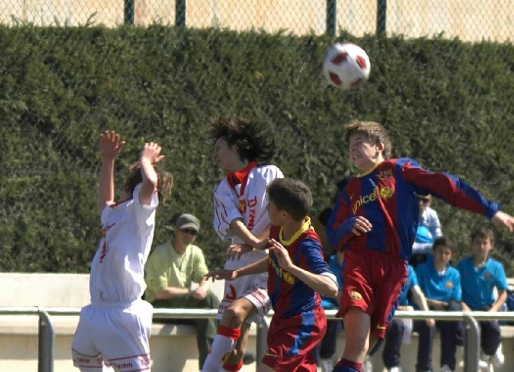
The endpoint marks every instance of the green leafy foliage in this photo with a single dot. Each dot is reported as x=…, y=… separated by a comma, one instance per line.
x=446, y=103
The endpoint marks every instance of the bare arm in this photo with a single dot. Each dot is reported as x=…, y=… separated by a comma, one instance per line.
x=322, y=284
x=170, y=292
x=239, y=229
x=150, y=155
x=258, y=267
x=419, y=298
x=110, y=147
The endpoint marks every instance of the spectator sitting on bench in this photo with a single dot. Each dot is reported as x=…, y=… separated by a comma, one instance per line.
x=171, y=269
x=480, y=275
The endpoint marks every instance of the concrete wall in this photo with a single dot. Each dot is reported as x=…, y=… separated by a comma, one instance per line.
x=466, y=19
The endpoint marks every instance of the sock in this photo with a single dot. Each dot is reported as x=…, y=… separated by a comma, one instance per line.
x=345, y=365
x=232, y=367
x=223, y=343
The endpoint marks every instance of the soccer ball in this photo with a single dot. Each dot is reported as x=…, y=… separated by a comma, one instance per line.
x=346, y=65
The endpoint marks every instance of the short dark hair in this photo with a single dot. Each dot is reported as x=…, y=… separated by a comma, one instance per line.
x=254, y=140
x=290, y=195
x=445, y=241
x=483, y=233
x=375, y=132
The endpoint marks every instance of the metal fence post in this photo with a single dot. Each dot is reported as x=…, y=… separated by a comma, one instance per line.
x=472, y=343
x=180, y=13
x=45, y=343
x=331, y=17
x=129, y=12
x=262, y=342
x=381, y=16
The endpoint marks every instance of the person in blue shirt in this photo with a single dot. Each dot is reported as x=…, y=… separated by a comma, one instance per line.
x=429, y=228
x=397, y=327
x=441, y=285
x=480, y=274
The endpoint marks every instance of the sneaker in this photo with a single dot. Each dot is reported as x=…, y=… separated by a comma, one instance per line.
x=395, y=369
x=249, y=358
x=445, y=368
x=326, y=365
x=367, y=366
x=498, y=358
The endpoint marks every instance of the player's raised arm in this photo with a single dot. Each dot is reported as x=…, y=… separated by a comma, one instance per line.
x=150, y=155
x=457, y=193
x=110, y=147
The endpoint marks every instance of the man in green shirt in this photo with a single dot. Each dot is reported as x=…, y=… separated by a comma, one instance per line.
x=171, y=269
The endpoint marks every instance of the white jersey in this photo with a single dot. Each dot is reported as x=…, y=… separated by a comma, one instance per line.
x=246, y=201
x=117, y=271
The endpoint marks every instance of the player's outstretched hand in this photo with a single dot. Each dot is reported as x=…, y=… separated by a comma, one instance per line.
x=110, y=145
x=151, y=151
x=502, y=219
x=221, y=274
x=235, y=251
x=282, y=254
x=361, y=226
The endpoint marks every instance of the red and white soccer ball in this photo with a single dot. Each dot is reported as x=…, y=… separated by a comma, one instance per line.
x=346, y=65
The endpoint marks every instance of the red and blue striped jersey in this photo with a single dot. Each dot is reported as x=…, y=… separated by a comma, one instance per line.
x=290, y=296
x=386, y=197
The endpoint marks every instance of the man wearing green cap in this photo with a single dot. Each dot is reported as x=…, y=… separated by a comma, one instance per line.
x=171, y=269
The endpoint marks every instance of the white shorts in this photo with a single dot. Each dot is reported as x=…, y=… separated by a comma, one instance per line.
x=251, y=287
x=113, y=335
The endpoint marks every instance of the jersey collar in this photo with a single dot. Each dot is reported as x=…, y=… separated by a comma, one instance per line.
x=369, y=170
x=306, y=226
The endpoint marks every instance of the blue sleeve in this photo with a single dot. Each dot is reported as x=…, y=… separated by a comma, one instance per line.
x=457, y=292
x=310, y=257
x=448, y=188
x=500, y=279
x=339, y=226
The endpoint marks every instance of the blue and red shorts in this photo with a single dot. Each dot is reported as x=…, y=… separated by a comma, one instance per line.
x=291, y=340
x=372, y=281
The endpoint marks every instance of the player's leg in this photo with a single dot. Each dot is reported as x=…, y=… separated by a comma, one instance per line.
x=291, y=342
x=393, y=344
x=357, y=305
x=124, y=340
x=85, y=355
x=229, y=332
x=234, y=361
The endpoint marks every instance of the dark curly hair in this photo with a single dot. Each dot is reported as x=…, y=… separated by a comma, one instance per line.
x=254, y=141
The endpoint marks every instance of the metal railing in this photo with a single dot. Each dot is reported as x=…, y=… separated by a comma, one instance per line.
x=46, y=332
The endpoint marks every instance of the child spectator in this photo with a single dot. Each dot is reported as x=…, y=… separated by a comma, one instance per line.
x=480, y=274
x=441, y=285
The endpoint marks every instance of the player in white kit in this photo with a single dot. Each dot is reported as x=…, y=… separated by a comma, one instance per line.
x=114, y=330
x=240, y=215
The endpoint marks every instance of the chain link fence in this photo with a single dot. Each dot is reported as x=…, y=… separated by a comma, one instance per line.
x=468, y=20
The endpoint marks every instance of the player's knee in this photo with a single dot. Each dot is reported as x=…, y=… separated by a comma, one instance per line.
x=234, y=316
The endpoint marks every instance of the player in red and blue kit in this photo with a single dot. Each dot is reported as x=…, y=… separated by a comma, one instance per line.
x=375, y=220
x=297, y=275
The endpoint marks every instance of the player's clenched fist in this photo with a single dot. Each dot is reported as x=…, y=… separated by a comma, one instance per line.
x=282, y=254
x=110, y=145
x=151, y=151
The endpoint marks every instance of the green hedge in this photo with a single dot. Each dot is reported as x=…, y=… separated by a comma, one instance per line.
x=445, y=102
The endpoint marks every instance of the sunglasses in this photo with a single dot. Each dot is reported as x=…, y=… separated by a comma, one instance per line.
x=424, y=200
x=189, y=231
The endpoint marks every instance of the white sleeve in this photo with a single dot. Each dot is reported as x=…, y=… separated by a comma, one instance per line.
x=145, y=214
x=225, y=209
